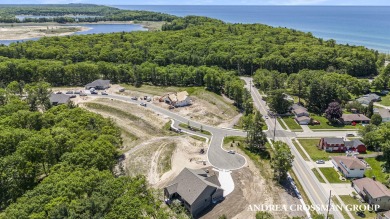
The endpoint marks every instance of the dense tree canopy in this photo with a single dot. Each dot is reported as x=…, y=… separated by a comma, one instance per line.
x=57, y=162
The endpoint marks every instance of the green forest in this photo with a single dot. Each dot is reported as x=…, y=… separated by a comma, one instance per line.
x=57, y=162
x=62, y=13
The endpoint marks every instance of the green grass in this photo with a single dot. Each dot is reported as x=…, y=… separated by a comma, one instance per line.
x=317, y=174
x=282, y=124
x=261, y=160
x=343, y=211
x=376, y=169
x=331, y=175
x=348, y=200
x=197, y=138
x=165, y=159
x=194, y=129
x=324, y=124
x=240, y=124
x=300, y=150
x=291, y=123
x=310, y=146
x=303, y=193
x=385, y=100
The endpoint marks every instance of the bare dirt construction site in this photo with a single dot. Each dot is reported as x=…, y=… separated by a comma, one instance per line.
x=152, y=150
x=149, y=148
x=207, y=107
x=19, y=32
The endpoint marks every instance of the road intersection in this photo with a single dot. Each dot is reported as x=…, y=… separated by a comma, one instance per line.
x=220, y=159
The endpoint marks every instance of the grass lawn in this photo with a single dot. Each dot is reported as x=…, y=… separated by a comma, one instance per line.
x=240, y=124
x=343, y=212
x=325, y=124
x=194, y=129
x=310, y=146
x=317, y=174
x=282, y=124
x=385, y=100
x=331, y=175
x=291, y=123
x=300, y=150
x=348, y=200
x=376, y=169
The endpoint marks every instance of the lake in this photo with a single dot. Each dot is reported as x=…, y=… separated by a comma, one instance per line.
x=96, y=28
x=356, y=25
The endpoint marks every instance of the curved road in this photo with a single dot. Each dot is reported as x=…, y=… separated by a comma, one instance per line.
x=217, y=156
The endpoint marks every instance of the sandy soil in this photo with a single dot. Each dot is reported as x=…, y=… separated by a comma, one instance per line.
x=205, y=109
x=251, y=188
x=27, y=32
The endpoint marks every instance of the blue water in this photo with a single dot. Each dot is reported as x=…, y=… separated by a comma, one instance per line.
x=96, y=28
x=356, y=25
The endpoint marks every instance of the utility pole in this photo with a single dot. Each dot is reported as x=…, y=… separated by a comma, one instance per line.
x=327, y=213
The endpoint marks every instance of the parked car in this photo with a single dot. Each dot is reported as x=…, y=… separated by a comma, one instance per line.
x=73, y=96
x=122, y=90
x=94, y=92
x=143, y=104
x=320, y=162
x=104, y=93
x=231, y=152
x=77, y=92
x=134, y=98
x=69, y=92
x=350, y=135
x=59, y=92
x=266, y=117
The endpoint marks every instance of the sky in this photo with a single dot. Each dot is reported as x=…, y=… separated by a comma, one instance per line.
x=205, y=2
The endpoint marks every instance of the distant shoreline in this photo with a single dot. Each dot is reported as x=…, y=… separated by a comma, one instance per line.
x=25, y=31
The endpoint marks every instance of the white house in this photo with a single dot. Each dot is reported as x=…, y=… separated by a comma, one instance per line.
x=384, y=113
x=373, y=192
x=350, y=167
x=178, y=99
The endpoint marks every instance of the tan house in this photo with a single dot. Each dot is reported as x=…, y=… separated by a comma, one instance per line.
x=178, y=99
x=383, y=215
x=373, y=192
x=196, y=189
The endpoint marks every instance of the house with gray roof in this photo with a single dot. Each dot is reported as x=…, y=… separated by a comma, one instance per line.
x=98, y=85
x=384, y=113
x=58, y=99
x=196, y=189
x=354, y=118
x=366, y=99
x=373, y=192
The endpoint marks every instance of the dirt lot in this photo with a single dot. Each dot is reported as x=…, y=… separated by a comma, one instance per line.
x=149, y=149
x=207, y=107
x=252, y=188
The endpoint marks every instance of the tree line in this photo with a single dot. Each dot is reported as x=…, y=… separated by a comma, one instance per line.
x=70, y=13
x=243, y=48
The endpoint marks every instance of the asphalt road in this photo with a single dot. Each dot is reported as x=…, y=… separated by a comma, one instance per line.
x=308, y=180
x=217, y=156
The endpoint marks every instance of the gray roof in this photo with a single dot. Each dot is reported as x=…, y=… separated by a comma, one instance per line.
x=296, y=106
x=192, y=184
x=334, y=140
x=384, y=113
x=354, y=143
x=99, y=83
x=59, y=98
x=303, y=118
x=365, y=99
x=373, y=187
x=354, y=117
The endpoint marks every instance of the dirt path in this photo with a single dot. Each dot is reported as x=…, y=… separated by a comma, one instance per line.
x=153, y=176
